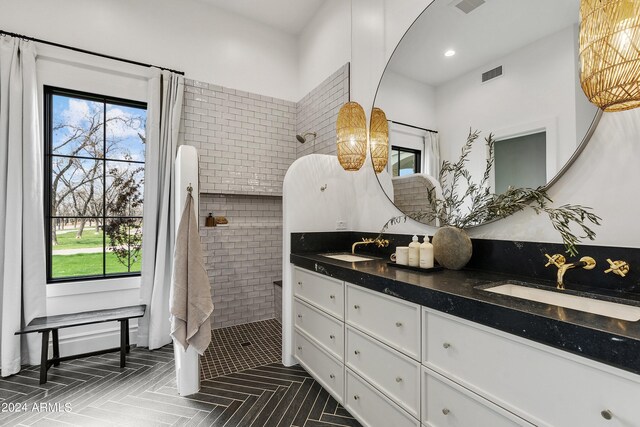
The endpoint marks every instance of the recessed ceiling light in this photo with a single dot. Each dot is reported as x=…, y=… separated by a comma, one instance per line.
x=450, y=52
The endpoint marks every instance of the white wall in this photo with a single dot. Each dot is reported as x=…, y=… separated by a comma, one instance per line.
x=536, y=89
x=324, y=45
x=407, y=101
x=208, y=44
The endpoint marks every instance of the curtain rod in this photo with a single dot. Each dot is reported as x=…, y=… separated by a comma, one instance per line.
x=412, y=126
x=88, y=52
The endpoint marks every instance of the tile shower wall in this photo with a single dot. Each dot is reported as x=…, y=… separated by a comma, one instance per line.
x=243, y=259
x=246, y=142
x=318, y=110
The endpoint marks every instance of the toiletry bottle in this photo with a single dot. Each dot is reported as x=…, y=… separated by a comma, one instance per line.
x=426, y=253
x=210, y=221
x=414, y=252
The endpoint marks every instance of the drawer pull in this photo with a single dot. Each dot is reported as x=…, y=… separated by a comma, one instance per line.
x=445, y=411
x=606, y=414
x=332, y=336
x=357, y=352
x=356, y=306
x=299, y=283
x=299, y=347
x=398, y=324
x=398, y=379
x=356, y=397
x=446, y=345
x=332, y=376
x=332, y=296
x=299, y=316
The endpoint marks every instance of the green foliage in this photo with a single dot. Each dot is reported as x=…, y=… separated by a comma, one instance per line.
x=465, y=203
x=125, y=234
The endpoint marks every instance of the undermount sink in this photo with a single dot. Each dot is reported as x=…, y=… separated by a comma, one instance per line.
x=575, y=302
x=347, y=257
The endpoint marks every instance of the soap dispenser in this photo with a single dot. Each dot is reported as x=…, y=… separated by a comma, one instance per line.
x=426, y=253
x=414, y=252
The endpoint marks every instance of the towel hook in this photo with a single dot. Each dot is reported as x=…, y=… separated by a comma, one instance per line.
x=189, y=188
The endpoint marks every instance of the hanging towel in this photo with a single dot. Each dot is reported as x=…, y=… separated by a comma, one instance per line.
x=191, y=304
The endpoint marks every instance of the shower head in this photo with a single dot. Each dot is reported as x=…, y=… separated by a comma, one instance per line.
x=303, y=138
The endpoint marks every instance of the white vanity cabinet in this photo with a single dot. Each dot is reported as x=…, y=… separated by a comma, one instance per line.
x=545, y=386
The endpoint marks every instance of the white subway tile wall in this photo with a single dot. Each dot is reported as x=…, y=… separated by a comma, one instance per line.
x=243, y=259
x=318, y=111
x=246, y=142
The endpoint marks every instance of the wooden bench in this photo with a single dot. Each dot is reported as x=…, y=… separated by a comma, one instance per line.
x=47, y=324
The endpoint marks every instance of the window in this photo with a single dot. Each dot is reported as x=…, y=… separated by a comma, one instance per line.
x=404, y=161
x=94, y=148
x=520, y=162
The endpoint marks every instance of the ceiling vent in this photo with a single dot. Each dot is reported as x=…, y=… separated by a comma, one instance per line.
x=467, y=6
x=492, y=74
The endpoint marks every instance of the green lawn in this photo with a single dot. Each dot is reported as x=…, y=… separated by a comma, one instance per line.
x=90, y=239
x=87, y=265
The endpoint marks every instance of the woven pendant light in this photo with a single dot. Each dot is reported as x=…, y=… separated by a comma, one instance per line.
x=610, y=53
x=351, y=131
x=379, y=137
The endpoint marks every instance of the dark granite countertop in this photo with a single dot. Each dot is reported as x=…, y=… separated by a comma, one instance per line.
x=611, y=341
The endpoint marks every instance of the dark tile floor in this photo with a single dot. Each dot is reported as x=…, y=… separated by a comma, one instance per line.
x=95, y=391
x=241, y=347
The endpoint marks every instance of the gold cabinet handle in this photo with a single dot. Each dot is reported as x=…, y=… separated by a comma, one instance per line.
x=446, y=345
x=445, y=411
x=398, y=324
x=606, y=414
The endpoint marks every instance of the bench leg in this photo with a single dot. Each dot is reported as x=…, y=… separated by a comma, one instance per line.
x=124, y=333
x=56, y=347
x=44, y=355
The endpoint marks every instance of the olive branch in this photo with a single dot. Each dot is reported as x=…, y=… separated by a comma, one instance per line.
x=484, y=205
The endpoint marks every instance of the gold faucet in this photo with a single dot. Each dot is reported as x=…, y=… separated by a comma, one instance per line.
x=560, y=261
x=381, y=243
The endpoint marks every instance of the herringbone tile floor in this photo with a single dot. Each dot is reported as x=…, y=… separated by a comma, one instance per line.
x=95, y=391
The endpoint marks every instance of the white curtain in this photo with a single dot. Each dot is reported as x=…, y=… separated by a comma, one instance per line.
x=22, y=241
x=432, y=154
x=166, y=91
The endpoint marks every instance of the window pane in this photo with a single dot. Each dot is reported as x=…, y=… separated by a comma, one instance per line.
x=407, y=163
x=394, y=162
x=125, y=132
x=76, y=245
x=77, y=127
x=125, y=189
x=124, y=245
x=76, y=187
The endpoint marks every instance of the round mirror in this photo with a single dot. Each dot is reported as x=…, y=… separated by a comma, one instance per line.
x=505, y=67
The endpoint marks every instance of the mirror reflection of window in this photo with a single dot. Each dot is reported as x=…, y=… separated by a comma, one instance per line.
x=521, y=162
x=404, y=161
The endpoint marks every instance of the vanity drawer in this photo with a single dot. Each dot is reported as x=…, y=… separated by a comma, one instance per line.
x=321, y=291
x=324, y=368
x=541, y=384
x=391, y=320
x=445, y=403
x=323, y=328
x=393, y=373
x=371, y=407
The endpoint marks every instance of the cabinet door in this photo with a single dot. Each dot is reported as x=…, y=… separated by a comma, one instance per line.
x=325, y=369
x=393, y=373
x=391, y=320
x=371, y=407
x=322, y=291
x=445, y=403
x=326, y=330
x=543, y=385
